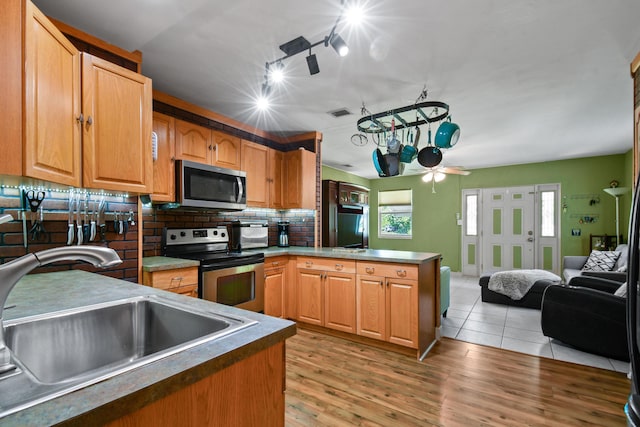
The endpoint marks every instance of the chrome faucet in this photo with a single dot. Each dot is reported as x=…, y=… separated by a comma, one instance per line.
x=13, y=271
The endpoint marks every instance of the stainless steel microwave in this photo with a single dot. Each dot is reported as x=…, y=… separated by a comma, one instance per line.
x=204, y=186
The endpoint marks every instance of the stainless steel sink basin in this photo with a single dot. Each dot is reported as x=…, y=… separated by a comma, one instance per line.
x=68, y=350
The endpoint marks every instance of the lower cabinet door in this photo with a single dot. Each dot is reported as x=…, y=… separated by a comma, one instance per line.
x=402, y=312
x=371, y=307
x=310, y=296
x=340, y=301
x=274, y=292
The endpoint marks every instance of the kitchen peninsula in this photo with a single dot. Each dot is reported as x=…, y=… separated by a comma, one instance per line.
x=386, y=298
x=248, y=365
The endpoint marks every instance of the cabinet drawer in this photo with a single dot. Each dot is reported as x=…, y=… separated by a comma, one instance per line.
x=400, y=271
x=275, y=262
x=170, y=279
x=327, y=264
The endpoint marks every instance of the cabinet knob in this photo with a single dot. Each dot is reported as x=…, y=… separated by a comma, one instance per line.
x=339, y=267
x=401, y=273
x=89, y=120
x=369, y=270
x=80, y=118
x=210, y=147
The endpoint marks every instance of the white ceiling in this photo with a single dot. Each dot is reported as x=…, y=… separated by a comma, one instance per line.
x=526, y=80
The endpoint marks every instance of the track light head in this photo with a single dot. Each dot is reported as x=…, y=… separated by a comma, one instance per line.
x=312, y=63
x=276, y=74
x=339, y=45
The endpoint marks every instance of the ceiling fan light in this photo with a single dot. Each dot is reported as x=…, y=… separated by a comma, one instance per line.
x=339, y=45
x=427, y=177
x=439, y=176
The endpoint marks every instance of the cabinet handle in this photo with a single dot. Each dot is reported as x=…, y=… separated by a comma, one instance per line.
x=401, y=273
x=175, y=279
x=89, y=120
x=387, y=282
x=381, y=284
x=369, y=270
x=309, y=263
x=275, y=263
x=339, y=267
x=80, y=118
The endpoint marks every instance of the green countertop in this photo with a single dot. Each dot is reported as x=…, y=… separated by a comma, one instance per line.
x=358, y=254
x=93, y=405
x=159, y=263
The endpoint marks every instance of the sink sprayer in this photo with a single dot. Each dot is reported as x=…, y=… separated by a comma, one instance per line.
x=13, y=271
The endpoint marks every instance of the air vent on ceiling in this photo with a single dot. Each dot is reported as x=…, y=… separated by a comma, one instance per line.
x=339, y=113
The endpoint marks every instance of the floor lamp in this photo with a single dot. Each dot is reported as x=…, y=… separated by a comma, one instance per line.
x=617, y=192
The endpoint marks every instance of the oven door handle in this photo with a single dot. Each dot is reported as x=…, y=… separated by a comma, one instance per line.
x=240, y=189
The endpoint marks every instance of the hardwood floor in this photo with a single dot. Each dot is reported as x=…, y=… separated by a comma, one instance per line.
x=334, y=382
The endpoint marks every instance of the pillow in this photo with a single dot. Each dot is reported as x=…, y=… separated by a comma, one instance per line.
x=621, y=291
x=601, y=261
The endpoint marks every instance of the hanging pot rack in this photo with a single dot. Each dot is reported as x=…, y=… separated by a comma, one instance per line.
x=410, y=116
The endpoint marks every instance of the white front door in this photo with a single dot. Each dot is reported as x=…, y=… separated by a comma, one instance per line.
x=511, y=228
x=508, y=228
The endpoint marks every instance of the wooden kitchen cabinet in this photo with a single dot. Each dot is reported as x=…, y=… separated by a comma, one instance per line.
x=275, y=279
x=225, y=150
x=67, y=117
x=164, y=166
x=326, y=290
x=299, y=178
x=263, y=166
x=182, y=281
x=387, y=302
x=193, y=142
x=41, y=97
x=116, y=137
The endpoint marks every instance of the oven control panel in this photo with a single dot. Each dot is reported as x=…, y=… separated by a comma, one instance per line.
x=185, y=236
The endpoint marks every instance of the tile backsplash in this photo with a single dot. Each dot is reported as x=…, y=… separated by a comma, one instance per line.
x=301, y=224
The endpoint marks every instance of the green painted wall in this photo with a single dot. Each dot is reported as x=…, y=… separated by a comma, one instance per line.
x=338, y=175
x=434, y=214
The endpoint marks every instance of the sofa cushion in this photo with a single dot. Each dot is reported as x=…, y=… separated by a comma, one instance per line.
x=621, y=263
x=601, y=261
x=622, y=291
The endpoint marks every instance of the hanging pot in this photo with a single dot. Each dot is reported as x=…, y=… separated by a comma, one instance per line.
x=393, y=164
x=429, y=156
x=448, y=134
x=410, y=152
x=380, y=163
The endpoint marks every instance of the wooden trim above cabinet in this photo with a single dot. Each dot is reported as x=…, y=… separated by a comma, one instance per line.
x=93, y=45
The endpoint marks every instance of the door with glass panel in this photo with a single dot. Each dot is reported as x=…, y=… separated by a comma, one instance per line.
x=510, y=228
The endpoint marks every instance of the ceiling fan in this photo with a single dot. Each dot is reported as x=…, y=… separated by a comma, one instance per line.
x=438, y=173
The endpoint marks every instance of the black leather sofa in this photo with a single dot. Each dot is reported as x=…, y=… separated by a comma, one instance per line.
x=533, y=298
x=588, y=316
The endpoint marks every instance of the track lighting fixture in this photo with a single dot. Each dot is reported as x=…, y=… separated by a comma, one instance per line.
x=339, y=45
x=300, y=44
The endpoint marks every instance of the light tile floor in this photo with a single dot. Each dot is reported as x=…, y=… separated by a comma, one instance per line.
x=512, y=328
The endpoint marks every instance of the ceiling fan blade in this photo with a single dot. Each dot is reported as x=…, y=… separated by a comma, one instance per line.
x=453, y=171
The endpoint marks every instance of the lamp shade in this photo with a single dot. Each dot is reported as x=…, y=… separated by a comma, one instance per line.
x=616, y=192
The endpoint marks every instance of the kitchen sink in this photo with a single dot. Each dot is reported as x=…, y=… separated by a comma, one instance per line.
x=106, y=339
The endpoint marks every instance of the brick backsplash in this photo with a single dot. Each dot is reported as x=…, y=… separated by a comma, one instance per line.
x=55, y=221
x=301, y=224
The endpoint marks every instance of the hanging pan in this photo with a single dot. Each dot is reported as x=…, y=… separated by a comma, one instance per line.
x=430, y=156
x=410, y=152
x=380, y=163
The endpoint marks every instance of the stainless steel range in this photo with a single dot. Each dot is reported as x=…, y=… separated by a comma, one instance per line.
x=235, y=279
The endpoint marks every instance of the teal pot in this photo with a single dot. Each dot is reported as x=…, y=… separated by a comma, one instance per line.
x=447, y=135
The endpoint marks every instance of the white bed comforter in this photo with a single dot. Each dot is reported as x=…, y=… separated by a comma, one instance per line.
x=516, y=283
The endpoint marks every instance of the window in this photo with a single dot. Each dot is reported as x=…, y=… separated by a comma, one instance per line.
x=472, y=215
x=394, y=214
x=548, y=213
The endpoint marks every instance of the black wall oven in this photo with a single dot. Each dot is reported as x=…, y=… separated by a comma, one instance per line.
x=235, y=279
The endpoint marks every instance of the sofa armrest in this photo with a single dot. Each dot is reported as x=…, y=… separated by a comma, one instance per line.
x=604, y=285
x=608, y=275
x=574, y=262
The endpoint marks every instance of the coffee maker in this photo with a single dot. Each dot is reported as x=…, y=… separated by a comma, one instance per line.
x=283, y=234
